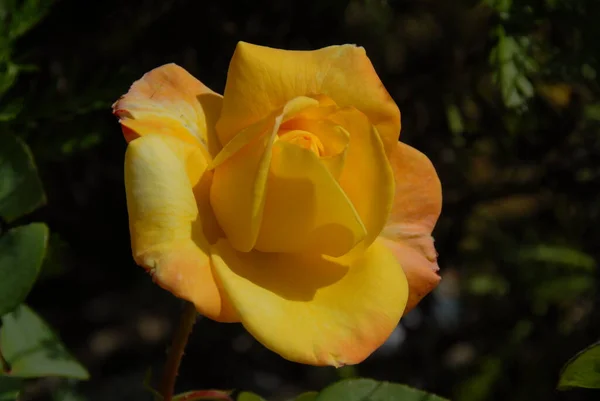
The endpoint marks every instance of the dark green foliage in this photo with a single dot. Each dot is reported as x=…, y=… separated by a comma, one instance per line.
x=33, y=350
x=358, y=390
x=371, y=390
x=583, y=370
x=21, y=253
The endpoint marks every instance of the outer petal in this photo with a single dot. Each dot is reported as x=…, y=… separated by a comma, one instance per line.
x=262, y=79
x=305, y=209
x=419, y=261
x=367, y=177
x=417, y=206
x=315, y=310
x=171, y=231
x=169, y=101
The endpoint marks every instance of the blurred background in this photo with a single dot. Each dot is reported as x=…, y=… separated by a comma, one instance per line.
x=503, y=96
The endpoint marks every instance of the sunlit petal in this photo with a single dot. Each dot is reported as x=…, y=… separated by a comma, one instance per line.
x=312, y=309
x=170, y=220
x=238, y=192
x=305, y=209
x=262, y=79
x=367, y=177
x=170, y=101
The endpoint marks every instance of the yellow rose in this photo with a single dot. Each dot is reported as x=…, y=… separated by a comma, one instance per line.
x=287, y=204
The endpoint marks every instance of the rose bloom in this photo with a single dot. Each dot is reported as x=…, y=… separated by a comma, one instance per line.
x=287, y=204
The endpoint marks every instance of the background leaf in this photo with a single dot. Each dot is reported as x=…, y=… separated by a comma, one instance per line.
x=561, y=255
x=18, y=17
x=33, y=350
x=203, y=395
x=247, y=396
x=512, y=64
x=371, y=390
x=310, y=396
x=21, y=191
x=22, y=251
x=67, y=393
x=583, y=370
x=10, y=387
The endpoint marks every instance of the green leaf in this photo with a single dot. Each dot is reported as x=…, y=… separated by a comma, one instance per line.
x=24, y=15
x=583, y=370
x=562, y=288
x=512, y=64
x=33, y=350
x=10, y=111
x=10, y=387
x=592, y=111
x=22, y=251
x=560, y=255
x=203, y=395
x=21, y=191
x=8, y=76
x=67, y=394
x=455, y=119
x=487, y=284
x=480, y=385
x=247, y=396
x=310, y=396
x=371, y=390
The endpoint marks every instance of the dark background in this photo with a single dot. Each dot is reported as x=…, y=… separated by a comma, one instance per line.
x=502, y=96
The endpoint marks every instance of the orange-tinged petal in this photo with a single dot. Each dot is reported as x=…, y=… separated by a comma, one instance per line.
x=313, y=309
x=305, y=208
x=418, y=197
x=170, y=101
x=171, y=224
x=417, y=206
x=420, y=269
x=367, y=177
x=262, y=79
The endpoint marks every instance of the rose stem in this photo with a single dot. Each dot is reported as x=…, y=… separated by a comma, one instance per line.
x=175, y=353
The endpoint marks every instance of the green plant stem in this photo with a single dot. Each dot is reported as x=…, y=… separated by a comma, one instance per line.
x=180, y=339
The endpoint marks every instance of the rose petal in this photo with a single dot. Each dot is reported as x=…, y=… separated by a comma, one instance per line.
x=240, y=176
x=305, y=208
x=334, y=140
x=417, y=206
x=420, y=270
x=170, y=220
x=367, y=177
x=238, y=191
x=312, y=309
x=262, y=79
x=170, y=101
x=418, y=197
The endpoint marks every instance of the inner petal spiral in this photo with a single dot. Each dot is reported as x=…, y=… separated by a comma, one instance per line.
x=304, y=139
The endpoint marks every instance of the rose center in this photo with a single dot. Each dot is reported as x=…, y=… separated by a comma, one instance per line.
x=303, y=139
